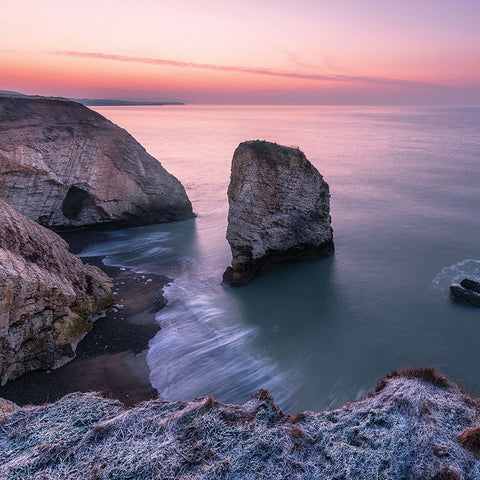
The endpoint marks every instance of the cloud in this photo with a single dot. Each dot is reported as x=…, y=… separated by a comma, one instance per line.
x=242, y=69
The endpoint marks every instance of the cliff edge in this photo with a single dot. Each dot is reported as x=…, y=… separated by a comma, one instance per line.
x=416, y=425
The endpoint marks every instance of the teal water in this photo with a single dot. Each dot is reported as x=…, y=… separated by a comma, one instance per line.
x=405, y=185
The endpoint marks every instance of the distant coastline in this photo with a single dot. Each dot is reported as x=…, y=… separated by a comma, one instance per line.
x=102, y=102
x=96, y=102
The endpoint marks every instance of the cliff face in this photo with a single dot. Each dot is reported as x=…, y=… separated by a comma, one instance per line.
x=65, y=166
x=415, y=426
x=279, y=210
x=48, y=296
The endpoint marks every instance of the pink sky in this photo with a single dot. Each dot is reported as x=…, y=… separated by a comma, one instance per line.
x=231, y=51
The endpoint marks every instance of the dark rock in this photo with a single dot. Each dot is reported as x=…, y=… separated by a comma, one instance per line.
x=464, y=295
x=471, y=285
x=159, y=302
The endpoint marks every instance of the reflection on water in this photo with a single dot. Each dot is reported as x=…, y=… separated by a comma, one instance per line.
x=405, y=205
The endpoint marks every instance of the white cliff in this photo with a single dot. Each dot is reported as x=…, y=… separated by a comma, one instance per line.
x=66, y=166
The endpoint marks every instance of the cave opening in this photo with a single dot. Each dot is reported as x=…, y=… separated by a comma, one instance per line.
x=74, y=202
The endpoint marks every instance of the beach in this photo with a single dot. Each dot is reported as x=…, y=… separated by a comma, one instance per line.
x=111, y=358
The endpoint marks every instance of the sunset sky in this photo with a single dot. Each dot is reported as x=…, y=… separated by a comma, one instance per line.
x=248, y=51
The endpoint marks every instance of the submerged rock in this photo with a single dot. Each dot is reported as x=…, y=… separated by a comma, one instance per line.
x=416, y=425
x=279, y=210
x=48, y=297
x=66, y=166
x=467, y=292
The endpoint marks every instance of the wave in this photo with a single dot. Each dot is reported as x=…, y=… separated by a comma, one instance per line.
x=205, y=345
x=203, y=348
x=454, y=274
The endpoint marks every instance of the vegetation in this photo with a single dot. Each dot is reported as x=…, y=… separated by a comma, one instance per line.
x=407, y=430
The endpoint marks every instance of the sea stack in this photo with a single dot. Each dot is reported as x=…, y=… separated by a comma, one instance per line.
x=279, y=210
x=49, y=297
x=67, y=167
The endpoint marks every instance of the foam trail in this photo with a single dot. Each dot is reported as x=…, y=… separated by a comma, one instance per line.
x=454, y=274
x=204, y=346
x=202, y=350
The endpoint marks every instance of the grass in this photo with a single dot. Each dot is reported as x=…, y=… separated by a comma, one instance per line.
x=470, y=439
x=427, y=374
x=447, y=474
x=90, y=437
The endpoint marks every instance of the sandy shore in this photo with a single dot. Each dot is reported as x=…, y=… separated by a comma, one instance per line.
x=112, y=358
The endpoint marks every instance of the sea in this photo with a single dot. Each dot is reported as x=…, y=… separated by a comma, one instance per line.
x=405, y=207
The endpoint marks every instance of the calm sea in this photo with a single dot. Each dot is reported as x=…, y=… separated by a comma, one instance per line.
x=405, y=185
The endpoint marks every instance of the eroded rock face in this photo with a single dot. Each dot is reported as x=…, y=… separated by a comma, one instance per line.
x=416, y=425
x=279, y=210
x=65, y=166
x=48, y=297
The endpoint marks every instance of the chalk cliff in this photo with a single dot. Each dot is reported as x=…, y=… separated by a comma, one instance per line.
x=279, y=210
x=416, y=425
x=48, y=297
x=66, y=166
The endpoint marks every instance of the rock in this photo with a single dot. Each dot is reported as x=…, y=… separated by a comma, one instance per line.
x=279, y=210
x=465, y=295
x=416, y=425
x=6, y=407
x=66, y=166
x=48, y=300
x=471, y=285
x=159, y=302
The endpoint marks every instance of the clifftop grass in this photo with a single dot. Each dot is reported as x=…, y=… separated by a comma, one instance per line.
x=416, y=426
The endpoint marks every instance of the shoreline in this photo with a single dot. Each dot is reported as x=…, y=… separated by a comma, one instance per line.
x=111, y=358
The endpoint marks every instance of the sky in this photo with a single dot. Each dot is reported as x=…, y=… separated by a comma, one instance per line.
x=419, y=52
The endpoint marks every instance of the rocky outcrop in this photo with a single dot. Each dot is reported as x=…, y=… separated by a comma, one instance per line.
x=66, y=166
x=467, y=292
x=417, y=425
x=471, y=285
x=48, y=298
x=279, y=210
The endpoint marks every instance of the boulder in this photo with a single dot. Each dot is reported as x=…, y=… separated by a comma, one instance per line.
x=279, y=210
x=48, y=300
x=66, y=166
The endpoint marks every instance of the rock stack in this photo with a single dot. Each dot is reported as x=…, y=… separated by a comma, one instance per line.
x=279, y=210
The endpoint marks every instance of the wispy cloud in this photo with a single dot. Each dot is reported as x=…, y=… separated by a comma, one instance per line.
x=243, y=69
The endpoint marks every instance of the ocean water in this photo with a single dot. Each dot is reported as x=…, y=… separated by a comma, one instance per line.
x=405, y=205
